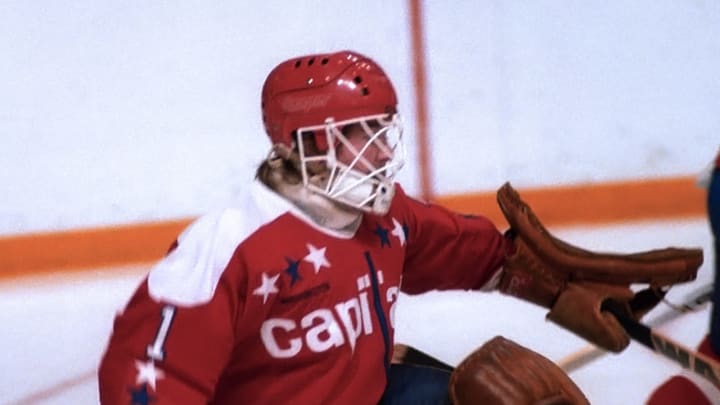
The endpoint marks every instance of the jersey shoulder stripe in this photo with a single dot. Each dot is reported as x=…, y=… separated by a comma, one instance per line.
x=189, y=274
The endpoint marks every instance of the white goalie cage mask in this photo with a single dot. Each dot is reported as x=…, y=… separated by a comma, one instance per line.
x=360, y=183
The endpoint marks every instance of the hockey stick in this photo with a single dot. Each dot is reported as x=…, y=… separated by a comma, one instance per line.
x=404, y=354
x=693, y=302
x=686, y=357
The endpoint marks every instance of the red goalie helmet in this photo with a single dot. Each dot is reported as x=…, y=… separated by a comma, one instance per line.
x=346, y=104
x=306, y=91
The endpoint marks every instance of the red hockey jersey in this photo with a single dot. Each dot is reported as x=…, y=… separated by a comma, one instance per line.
x=259, y=305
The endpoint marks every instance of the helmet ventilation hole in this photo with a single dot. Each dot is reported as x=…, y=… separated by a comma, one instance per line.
x=311, y=61
x=357, y=79
x=365, y=91
x=324, y=61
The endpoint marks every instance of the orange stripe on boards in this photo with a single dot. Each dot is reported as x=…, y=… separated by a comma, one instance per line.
x=567, y=205
x=600, y=203
x=77, y=250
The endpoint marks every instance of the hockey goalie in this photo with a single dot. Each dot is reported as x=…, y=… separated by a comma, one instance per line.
x=288, y=296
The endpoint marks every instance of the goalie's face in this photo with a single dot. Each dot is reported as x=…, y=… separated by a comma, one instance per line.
x=360, y=163
x=364, y=151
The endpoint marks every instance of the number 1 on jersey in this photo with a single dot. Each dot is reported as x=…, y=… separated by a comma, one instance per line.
x=156, y=350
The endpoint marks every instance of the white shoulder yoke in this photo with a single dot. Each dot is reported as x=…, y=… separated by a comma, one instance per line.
x=189, y=274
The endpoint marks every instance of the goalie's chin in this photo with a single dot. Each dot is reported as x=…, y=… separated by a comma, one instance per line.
x=372, y=197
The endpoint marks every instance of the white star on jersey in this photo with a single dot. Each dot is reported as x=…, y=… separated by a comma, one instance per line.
x=398, y=232
x=267, y=286
x=316, y=257
x=147, y=373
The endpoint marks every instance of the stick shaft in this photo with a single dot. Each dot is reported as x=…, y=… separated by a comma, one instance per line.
x=661, y=344
x=688, y=358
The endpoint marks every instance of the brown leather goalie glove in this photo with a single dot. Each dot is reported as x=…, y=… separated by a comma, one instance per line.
x=501, y=372
x=573, y=282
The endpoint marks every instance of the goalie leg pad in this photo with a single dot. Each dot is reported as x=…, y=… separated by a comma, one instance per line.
x=501, y=372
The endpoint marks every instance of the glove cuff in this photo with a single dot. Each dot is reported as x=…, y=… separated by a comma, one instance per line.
x=525, y=276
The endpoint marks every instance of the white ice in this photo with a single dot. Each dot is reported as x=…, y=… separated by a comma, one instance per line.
x=54, y=329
